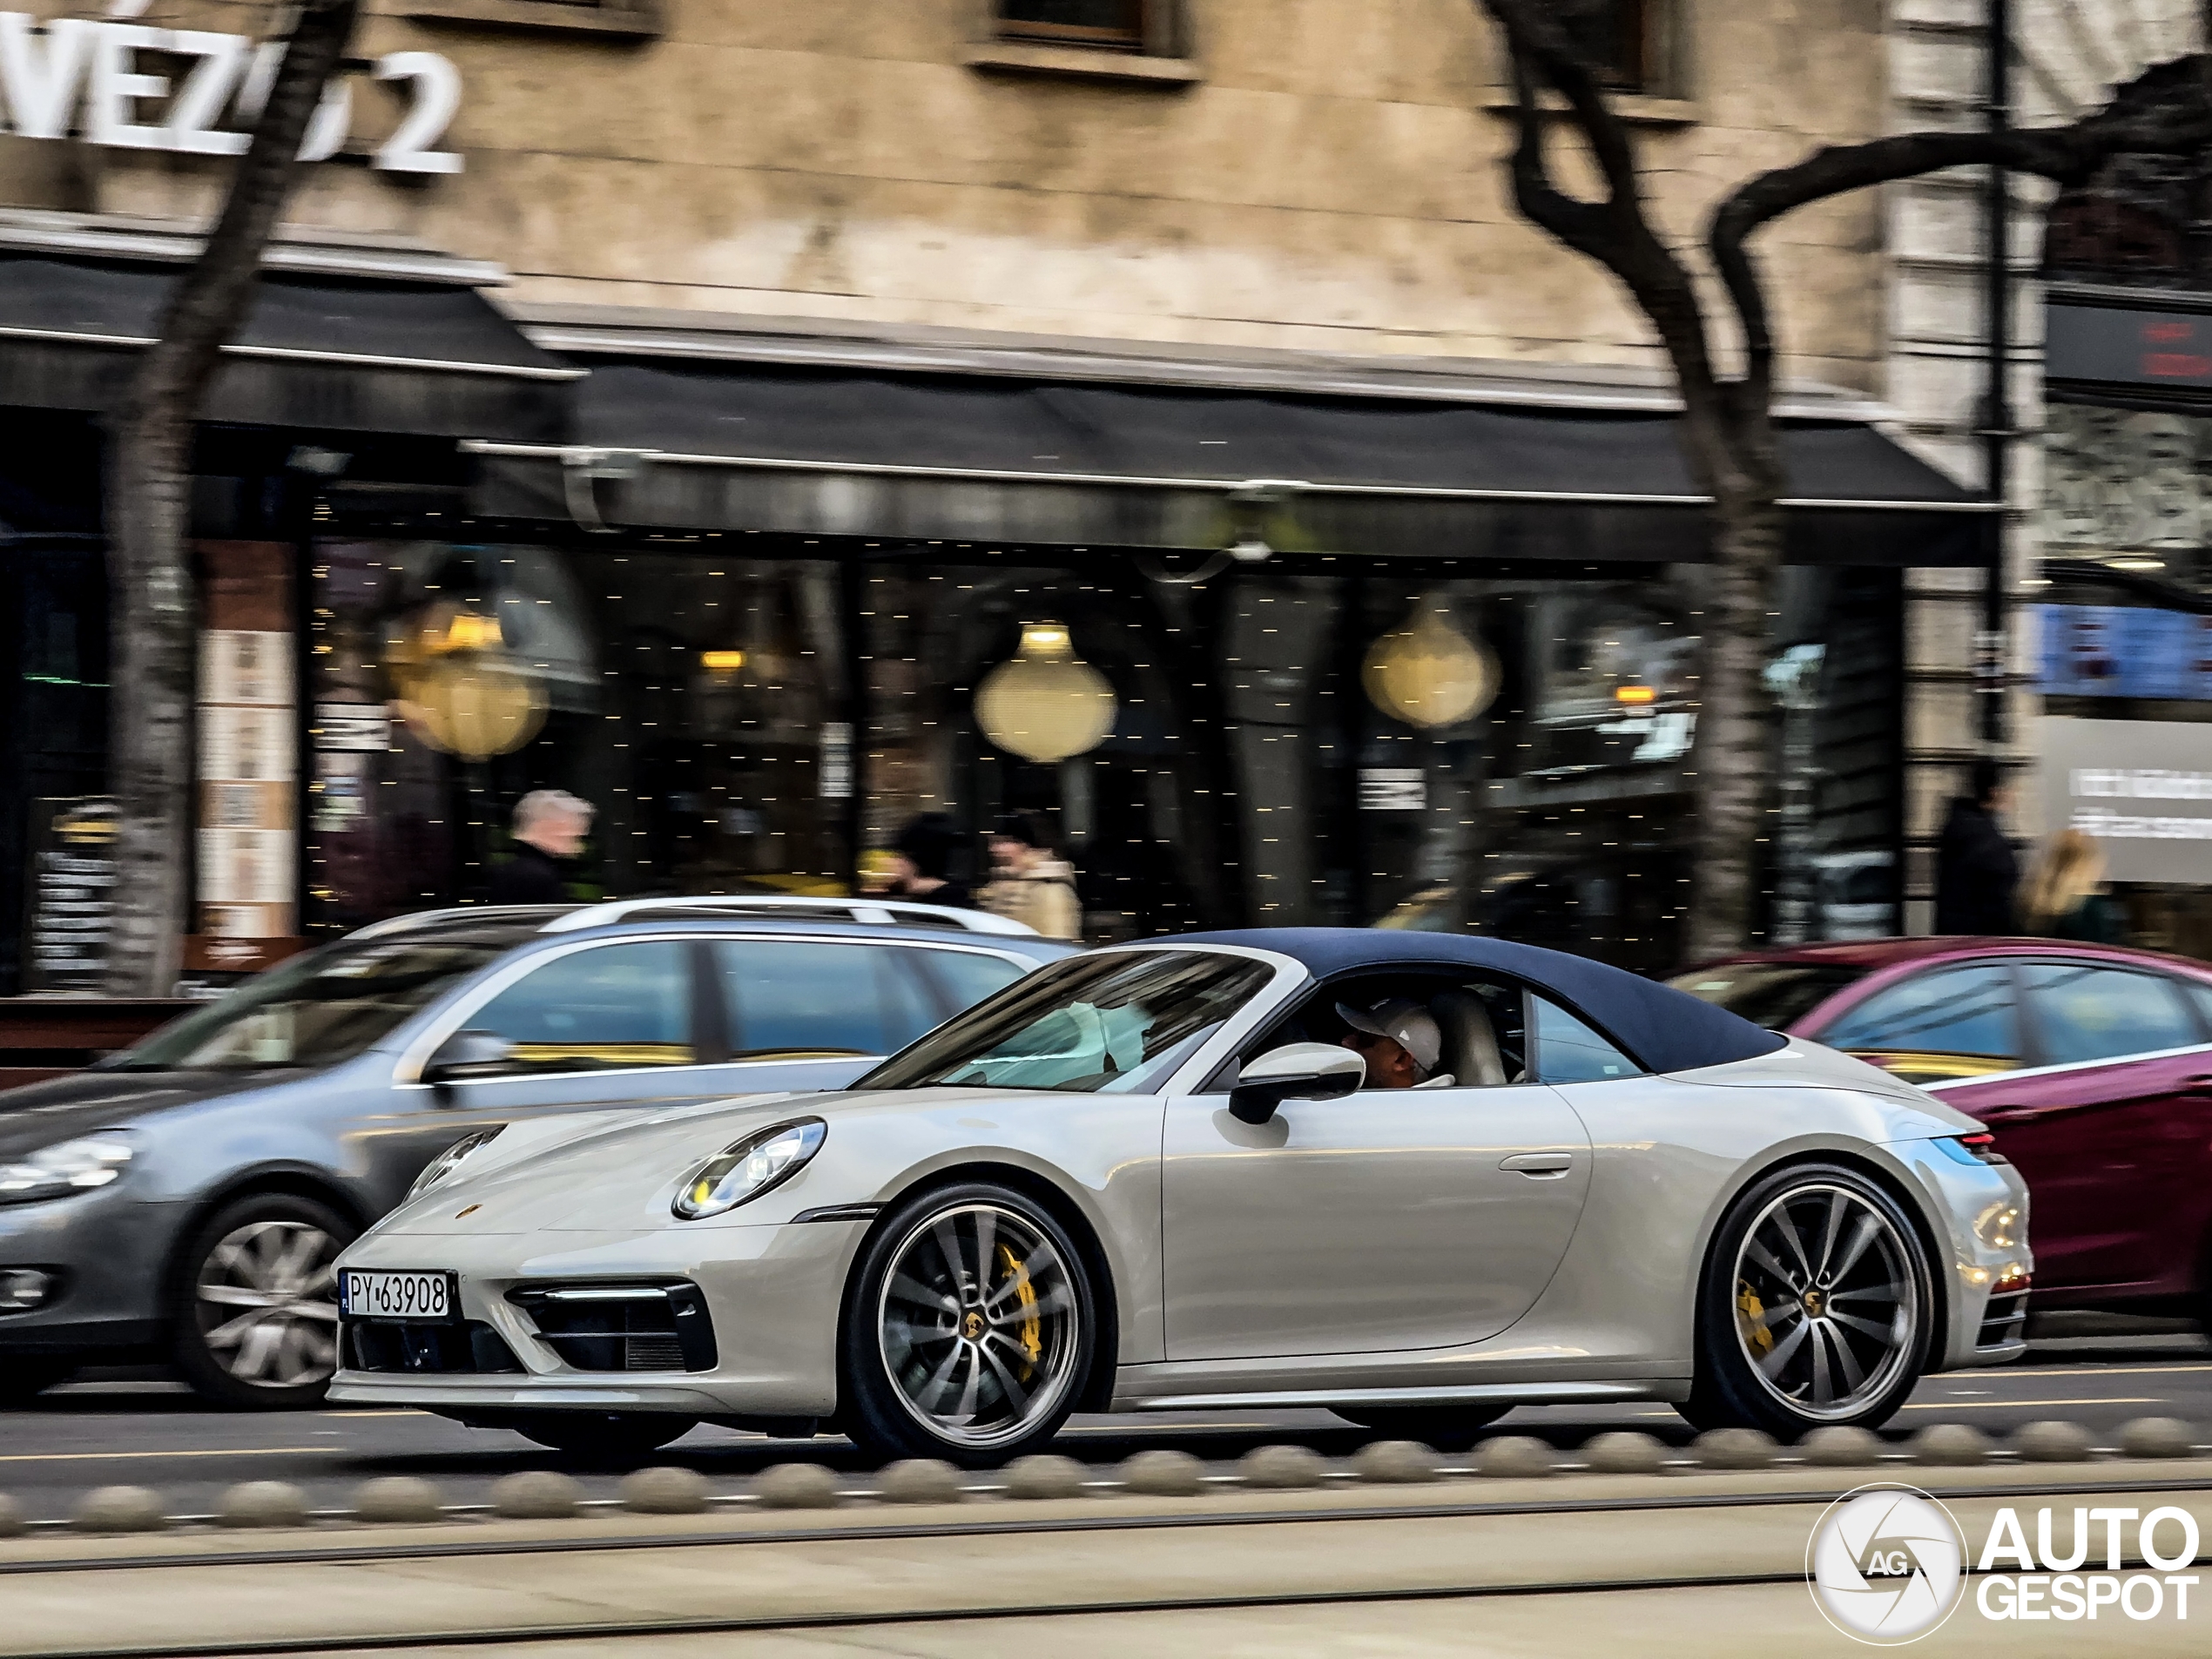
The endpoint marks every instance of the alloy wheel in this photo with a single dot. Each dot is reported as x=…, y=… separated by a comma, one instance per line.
x=979, y=1325
x=266, y=1299
x=1827, y=1301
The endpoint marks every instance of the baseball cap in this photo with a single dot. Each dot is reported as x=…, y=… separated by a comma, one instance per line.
x=1405, y=1021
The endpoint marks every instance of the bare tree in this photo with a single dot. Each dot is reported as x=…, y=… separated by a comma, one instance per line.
x=1728, y=429
x=148, y=496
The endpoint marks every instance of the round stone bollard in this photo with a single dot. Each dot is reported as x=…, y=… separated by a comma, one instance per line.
x=919, y=1479
x=2053, y=1443
x=1394, y=1463
x=535, y=1494
x=397, y=1499
x=1954, y=1446
x=1838, y=1446
x=797, y=1485
x=1514, y=1457
x=1162, y=1473
x=1281, y=1467
x=1043, y=1475
x=262, y=1503
x=120, y=1510
x=1734, y=1448
x=2157, y=1437
x=664, y=1492
x=12, y=1524
x=1624, y=1452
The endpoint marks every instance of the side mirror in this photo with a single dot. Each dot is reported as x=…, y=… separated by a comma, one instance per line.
x=1299, y=1071
x=469, y=1053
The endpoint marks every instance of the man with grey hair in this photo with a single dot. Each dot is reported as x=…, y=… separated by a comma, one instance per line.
x=550, y=828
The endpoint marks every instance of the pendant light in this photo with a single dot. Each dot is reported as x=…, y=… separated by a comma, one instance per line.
x=1047, y=704
x=459, y=689
x=1427, y=672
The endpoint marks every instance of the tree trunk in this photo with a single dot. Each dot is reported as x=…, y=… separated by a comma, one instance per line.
x=148, y=503
x=1733, y=767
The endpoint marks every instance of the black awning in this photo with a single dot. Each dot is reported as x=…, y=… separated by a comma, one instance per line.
x=969, y=457
x=350, y=353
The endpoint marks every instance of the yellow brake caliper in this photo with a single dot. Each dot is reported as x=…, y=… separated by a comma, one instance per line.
x=1025, y=1293
x=1749, y=1312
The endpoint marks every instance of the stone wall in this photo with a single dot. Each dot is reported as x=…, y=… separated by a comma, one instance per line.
x=1312, y=174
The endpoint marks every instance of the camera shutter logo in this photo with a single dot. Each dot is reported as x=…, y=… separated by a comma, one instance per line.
x=1886, y=1564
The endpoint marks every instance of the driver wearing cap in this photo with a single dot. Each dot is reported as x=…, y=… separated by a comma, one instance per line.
x=1398, y=1040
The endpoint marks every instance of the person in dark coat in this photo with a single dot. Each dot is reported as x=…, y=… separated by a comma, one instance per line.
x=921, y=863
x=550, y=828
x=1976, y=871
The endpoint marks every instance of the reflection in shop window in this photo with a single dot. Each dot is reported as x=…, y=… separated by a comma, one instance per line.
x=689, y=696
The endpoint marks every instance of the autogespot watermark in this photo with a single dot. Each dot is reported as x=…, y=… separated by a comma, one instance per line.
x=1889, y=1563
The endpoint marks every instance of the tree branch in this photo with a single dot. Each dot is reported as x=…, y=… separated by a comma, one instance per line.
x=2066, y=155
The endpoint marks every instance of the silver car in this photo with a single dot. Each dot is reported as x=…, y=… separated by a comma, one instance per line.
x=1164, y=1177
x=186, y=1199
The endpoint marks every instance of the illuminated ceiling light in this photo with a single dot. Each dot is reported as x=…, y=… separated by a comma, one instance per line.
x=2134, y=562
x=1635, y=694
x=1047, y=704
x=459, y=690
x=1427, y=673
x=722, y=662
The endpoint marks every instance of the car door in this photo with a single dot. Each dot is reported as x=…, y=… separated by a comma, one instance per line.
x=1384, y=1221
x=604, y=1025
x=2108, y=1127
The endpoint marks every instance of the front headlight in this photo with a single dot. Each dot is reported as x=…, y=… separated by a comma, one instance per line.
x=441, y=1167
x=761, y=1161
x=73, y=1166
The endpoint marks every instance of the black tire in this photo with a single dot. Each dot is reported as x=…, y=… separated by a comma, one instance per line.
x=283, y=1360
x=608, y=1435
x=1009, y=1349
x=1853, y=1305
x=25, y=1376
x=1446, y=1428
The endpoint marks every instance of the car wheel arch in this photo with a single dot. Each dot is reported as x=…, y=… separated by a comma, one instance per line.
x=1066, y=1209
x=297, y=1181
x=1926, y=1227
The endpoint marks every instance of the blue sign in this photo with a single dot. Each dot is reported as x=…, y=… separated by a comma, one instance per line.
x=2124, y=650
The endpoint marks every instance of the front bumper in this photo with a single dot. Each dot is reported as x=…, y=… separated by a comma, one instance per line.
x=111, y=1253
x=774, y=1293
x=1983, y=1208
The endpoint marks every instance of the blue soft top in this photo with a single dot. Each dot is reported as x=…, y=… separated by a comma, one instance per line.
x=1663, y=1029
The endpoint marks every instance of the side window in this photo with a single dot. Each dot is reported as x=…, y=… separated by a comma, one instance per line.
x=614, y=1006
x=2083, y=1013
x=966, y=977
x=1951, y=1010
x=909, y=1009
x=795, y=997
x=1420, y=1032
x=1569, y=1052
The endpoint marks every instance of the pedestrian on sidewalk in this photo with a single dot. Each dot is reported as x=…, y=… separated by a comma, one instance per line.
x=1029, y=882
x=2065, y=897
x=549, y=827
x=1976, y=871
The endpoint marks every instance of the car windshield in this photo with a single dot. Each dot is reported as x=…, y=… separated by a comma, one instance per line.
x=314, y=1010
x=1774, y=994
x=1120, y=1023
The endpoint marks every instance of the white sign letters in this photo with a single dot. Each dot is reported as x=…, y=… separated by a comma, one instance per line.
x=98, y=78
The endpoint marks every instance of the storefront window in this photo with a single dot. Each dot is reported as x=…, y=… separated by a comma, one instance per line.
x=693, y=698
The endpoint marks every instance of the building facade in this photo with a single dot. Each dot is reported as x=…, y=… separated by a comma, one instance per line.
x=772, y=421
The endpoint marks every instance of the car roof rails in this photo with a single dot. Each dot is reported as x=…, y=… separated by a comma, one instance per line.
x=887, y=912
x=491, y=913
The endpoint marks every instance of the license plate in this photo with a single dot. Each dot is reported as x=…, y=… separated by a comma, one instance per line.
x=399, y=1296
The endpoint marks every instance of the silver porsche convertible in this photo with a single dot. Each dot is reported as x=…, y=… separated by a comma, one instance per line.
x=1415, y=1179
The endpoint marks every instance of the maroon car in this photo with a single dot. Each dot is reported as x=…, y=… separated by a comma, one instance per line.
x=2092, y=1064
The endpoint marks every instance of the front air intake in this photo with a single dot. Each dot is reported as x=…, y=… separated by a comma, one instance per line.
x=622, y=1328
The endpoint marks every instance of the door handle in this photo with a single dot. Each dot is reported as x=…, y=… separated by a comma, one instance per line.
x=2014, y=1115
x=1539, y=1166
